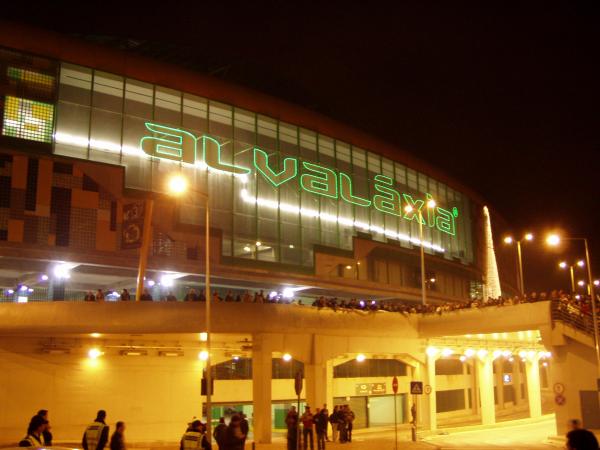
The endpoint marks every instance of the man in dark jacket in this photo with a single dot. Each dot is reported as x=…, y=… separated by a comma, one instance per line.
x=95, y=435
x=43, y=413
x=219, y=433
x=321, y=420
x=234, y=438
x=117, y=441
x=579, y=438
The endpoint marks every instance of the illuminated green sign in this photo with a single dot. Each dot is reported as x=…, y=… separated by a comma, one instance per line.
x=179, y=145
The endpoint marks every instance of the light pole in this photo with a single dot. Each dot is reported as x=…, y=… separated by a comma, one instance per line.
x=564, y=265
x=554, y=240
x=509, y=240
x=408, y=208
x=178, y=185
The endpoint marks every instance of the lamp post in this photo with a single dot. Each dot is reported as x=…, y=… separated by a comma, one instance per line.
x=409, y=209
x=509, y=240
x=178, y=185
x=564, y=265
x=554, y=240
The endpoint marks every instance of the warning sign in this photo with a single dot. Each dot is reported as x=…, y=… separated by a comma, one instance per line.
x=416, y=387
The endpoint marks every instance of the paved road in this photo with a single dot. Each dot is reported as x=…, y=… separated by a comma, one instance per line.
x=528, y=435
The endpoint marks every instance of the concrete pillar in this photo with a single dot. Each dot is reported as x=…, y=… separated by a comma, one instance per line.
x=426, y=403
x=466, y=390
x=516, y=381
x=485, y=378
x=532, y=369
x=261, y=388
x=499, y=364
x=319, y=385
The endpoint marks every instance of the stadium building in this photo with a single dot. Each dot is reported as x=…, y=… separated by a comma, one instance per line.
x=300, y=207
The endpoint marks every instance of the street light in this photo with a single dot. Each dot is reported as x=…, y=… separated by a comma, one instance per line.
x=564, y=265
x=509, y=240
x=178, y=185
x=554, y=240
x=408, y=208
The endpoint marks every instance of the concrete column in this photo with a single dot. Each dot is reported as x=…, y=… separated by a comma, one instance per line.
x=261, y=388
x=319, y=385
x=532, y=369
x=516, y=382
x=485, y=378
x=499, y=363
x=56, y=289
x=426, y=403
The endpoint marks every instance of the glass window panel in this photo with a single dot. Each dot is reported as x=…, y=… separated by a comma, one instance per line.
x=266, y=138
x=359, y=158
x=75, y=84
x=308, y=145
x=220, y=119
x=105, y=136
x=195, y=113
x=72, y=129
x=138, y=99
x=411, y=179
x=108, y=92
x=167, y=106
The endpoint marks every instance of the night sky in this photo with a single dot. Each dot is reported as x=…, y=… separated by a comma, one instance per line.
x=504, y=99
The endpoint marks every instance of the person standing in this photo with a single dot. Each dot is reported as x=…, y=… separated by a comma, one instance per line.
x=234, y=438
x=99, y=295
x=326, y=412
x=333, y=420
x=244, y=427
x=291, y=421
x=117, y=440
x=220, y=432
x=35, y=433
x=320, y=420
x=579, y=438
x=43, y=413
x=95, y=435
x=125, y=297
x=195, y=437
x=307, y=428
x=350, y=421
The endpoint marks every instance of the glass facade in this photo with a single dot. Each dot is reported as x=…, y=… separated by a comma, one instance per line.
x=103, y=117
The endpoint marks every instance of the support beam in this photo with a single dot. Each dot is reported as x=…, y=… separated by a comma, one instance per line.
x=499, y=380
x=319, y=385
x=261, y=387
x=532, y=369
x=516, y=381
x=485, y=378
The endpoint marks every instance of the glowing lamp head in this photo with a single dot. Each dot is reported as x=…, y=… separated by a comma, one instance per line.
x=462, y=358
x=529, y=237
x=596, y=282
x=408, y=209
x=447, y=352
x=203, y=355
x=508, y=240
x=562, y=265
x=177, y=184
x=431, y=203
x=360, y=357
x=286, y=357
x=581, y=283
x=431, y=351
x=553, y=239
x=580, y=263
x=469, y=352
x=94, y=353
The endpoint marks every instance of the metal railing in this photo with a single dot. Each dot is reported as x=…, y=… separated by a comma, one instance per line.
x=572, y=315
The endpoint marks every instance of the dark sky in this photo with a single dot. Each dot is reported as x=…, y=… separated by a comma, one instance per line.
x=505, y=99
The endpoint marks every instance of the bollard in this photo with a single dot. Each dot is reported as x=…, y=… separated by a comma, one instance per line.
x=253, y=445
x=413, y=431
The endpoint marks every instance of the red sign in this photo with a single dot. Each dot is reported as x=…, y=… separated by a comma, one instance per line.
x=560, y=399
x=395, y=385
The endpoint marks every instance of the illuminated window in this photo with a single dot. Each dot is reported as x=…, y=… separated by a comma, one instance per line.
x=27, y=119
x=34, y=79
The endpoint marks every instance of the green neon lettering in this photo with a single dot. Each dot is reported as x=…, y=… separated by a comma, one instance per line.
x=212, y=157
x=388, y=200
x=169, y=143
x=416, y=206
x=430, y=212
x=261, y=162
x=445, y=221
x=322, y=182
x=346, y=192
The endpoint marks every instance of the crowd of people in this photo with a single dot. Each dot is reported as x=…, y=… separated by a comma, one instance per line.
x=95, y=437
x=305, y=427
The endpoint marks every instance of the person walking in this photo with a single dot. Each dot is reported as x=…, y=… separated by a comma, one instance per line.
x=333, y=420
x=244, y=427
x=220, y=432
x=117, y=440
x=95, y=435
x=579, y=438
x=291, y=421
x=43, y=413
x=35, y=433
x=307, y=420
x=321, y=420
